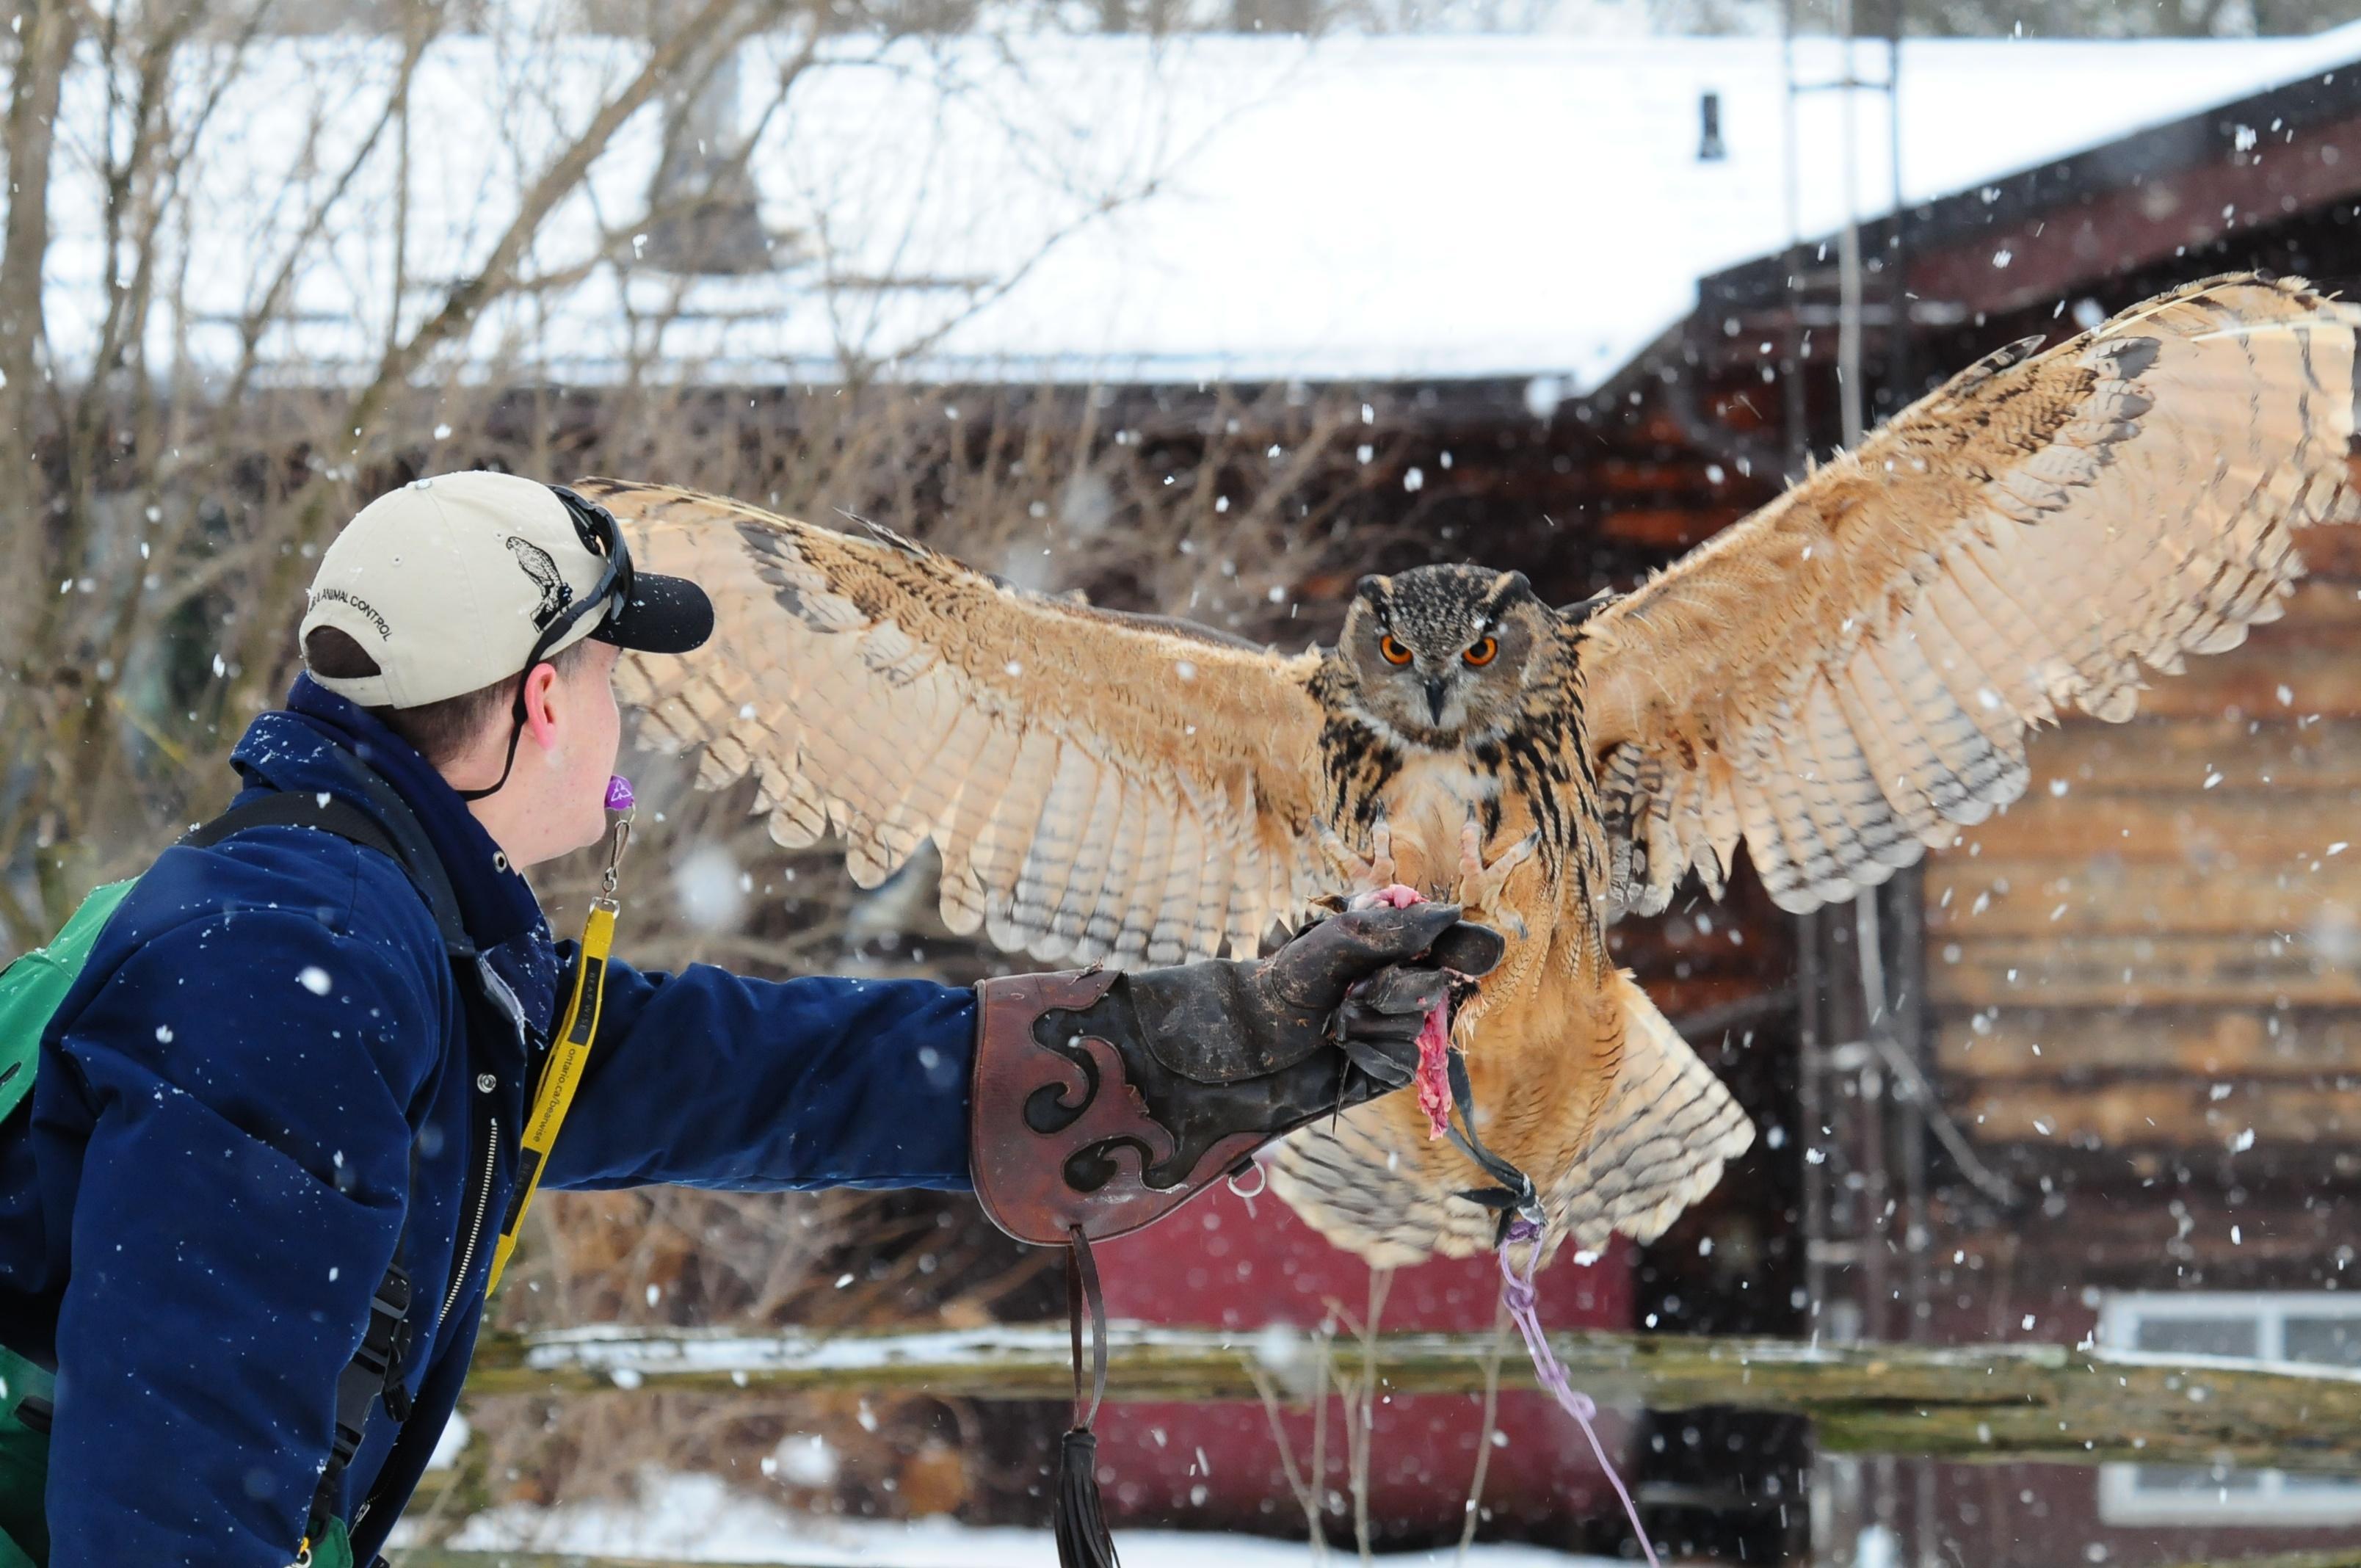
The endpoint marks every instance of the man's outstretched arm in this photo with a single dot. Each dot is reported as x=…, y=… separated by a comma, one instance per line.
x=708, y=1078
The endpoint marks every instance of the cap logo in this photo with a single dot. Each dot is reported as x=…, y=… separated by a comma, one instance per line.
x=367, y=611
x=556, y=593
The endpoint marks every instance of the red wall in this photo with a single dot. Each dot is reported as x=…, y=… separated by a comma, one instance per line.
x=1226, y=1261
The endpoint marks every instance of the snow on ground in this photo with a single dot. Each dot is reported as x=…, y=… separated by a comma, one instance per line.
x=1080, y=209
x=697, y=1518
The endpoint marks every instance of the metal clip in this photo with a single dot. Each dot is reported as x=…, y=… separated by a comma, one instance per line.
x=621, y=806
x=618, y=840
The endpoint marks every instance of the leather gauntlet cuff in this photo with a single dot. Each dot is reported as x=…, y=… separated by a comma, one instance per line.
x=1075, y=1123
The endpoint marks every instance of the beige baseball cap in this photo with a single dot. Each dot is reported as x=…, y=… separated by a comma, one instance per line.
x=450, y=583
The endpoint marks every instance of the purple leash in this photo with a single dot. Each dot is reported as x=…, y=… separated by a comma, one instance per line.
x=1523, y=1303
x=1521, y=1207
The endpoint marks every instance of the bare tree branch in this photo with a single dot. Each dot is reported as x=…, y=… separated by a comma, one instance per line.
x=47, y=47
x=567, y=172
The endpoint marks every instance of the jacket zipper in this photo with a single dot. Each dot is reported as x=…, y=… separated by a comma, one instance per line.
x=486, y=1086
x=483, y=1203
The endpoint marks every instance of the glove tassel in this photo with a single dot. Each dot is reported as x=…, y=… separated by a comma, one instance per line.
x=1078, y=1517
x=1079, y=1521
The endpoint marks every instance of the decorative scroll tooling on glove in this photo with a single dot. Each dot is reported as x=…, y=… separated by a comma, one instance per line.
x=1104, y=1124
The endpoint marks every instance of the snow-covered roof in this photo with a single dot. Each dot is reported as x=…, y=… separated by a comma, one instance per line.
x=1100, y=208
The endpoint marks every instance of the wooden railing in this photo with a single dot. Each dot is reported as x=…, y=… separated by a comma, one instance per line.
x=2040, y=1402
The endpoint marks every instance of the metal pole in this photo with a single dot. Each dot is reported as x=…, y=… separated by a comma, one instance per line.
x=1848, y=245
x=1793, y=412
x=1909, y=997
x=1828, y=1513
x=1874, y=1227
x=1897, y=331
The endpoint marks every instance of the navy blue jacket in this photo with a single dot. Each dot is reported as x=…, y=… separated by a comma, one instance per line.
x=270, y=1071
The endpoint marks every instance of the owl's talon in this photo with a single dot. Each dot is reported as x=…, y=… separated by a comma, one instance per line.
x=1481, y=883
x=1362, y=874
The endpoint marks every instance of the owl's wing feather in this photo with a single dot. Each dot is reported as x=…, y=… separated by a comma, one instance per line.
x=1099, y=785
x=1845, y=674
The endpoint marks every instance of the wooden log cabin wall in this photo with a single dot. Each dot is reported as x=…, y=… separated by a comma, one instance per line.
x=2144, y=981
x=2155, y=952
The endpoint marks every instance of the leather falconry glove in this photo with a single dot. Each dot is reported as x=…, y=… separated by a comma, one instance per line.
x=1103, y=1100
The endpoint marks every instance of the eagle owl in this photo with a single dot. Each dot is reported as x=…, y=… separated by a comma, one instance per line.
x=1836, y=682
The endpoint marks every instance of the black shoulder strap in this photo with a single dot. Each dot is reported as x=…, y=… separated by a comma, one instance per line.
x=375, y=1372
x=295, y=808
x=332, y=814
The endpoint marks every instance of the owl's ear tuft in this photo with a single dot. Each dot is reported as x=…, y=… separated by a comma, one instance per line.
x=1375, y=589
x=1510, y=587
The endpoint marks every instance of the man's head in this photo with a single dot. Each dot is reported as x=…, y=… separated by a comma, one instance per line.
x=480, y=615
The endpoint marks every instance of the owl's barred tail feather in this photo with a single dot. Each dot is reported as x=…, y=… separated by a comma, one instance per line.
x=1668, y=1127
x=1661, y=1142
x=1364, y=1196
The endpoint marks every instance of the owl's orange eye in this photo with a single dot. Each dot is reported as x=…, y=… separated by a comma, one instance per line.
x=1482, y=652
x=1394, y=651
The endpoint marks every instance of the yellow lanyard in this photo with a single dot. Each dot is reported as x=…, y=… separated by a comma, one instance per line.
x=567, y=1057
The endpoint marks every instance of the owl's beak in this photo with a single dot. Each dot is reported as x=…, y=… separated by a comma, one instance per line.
x=1435, y=691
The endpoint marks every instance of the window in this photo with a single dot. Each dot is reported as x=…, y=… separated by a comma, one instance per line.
x=2320, y=1327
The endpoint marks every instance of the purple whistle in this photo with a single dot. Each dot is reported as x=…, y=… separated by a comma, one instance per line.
x=619, y=794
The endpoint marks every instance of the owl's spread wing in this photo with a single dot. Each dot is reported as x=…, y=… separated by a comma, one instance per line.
x=1846, y=673
x=1099, y=785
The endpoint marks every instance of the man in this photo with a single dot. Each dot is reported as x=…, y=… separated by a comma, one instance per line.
x=274, y=1127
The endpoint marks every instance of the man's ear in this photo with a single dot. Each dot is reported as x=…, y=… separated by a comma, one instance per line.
x=541, y=703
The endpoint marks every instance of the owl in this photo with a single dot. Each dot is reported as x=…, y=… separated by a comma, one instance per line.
x=1835, y=683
